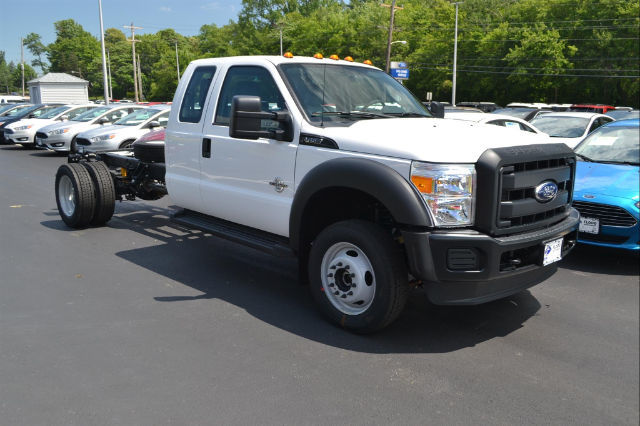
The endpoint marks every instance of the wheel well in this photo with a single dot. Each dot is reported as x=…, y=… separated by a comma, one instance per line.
x=336, y=204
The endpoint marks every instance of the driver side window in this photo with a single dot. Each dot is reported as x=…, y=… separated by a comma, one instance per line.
x=249, y=81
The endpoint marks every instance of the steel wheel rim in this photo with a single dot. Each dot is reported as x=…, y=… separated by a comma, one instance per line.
x=66, y=195
x=348, y=278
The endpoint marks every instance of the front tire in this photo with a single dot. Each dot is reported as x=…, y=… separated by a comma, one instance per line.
x=75, y=195
x=358, y=276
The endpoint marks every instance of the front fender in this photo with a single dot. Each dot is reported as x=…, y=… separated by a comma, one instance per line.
x=369, y=176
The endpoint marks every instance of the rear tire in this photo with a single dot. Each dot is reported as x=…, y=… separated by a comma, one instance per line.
x=105, y=192
x=358, y=276
x=75, y=195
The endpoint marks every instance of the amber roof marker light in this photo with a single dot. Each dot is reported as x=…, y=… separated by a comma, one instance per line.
x=334, y=57
x=318, y=56
x=288, y=55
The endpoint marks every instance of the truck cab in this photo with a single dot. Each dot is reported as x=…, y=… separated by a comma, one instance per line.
x=338, y=164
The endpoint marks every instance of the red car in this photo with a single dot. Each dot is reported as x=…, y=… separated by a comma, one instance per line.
x=599, y=108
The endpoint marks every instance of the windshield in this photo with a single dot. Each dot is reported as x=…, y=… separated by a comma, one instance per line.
x=21, y=110
x=331, y=93
x=91, y=114
x=54, y=112
x=624, y=115
x=137, y=117
x=561, y=126
x=612, y=145
x=4, y=108
x=514, y=112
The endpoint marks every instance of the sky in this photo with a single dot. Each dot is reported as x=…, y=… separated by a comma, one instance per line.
x=19, y=18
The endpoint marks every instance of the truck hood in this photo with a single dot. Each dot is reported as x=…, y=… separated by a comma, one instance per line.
x=424, y=139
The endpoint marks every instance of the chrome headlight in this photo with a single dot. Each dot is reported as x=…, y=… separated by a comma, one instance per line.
x=448, y=190
x=59, y=131
x=23, y=128
x=102, y=138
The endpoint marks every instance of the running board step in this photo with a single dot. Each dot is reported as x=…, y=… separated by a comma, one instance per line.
x=250, y=237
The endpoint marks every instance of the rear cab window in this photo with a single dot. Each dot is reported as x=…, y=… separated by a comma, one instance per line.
x=193, y=102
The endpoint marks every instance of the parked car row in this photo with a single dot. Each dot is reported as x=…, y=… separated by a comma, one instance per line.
x=65, y=128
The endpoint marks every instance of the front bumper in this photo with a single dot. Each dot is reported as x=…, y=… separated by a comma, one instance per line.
x=60, y=142
x=21, y=136
x=466, y=267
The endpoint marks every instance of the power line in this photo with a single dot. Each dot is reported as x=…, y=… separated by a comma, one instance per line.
x=530, y=68
x=529, y=74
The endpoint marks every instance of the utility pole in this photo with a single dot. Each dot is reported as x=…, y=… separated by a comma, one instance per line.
x=393, y=14
x=177, y=62
x=104, y=59
x=22, y=62
x=133, y=55
x=455, y=58
x=109, y=71
x=140, y=79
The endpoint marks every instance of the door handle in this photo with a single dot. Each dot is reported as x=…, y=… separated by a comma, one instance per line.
x=206, y=148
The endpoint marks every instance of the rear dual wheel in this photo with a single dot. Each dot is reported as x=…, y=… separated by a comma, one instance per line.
x=85, y=194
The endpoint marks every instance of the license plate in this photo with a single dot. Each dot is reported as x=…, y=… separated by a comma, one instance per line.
x=590, y=225
x=552, y=252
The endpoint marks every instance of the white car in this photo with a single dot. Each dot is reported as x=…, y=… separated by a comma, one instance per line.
x=61, y=136
x=506, y=121
x=24, y=131
x=570, y=127
x=124, y=131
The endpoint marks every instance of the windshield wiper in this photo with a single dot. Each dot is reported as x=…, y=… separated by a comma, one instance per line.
x=406, y=114
x=352, y=114
x=584, y=157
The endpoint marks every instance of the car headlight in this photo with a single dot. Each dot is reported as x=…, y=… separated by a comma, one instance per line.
x=23, y=128
x=59, y=131
x=102, y=138
x=448, y=190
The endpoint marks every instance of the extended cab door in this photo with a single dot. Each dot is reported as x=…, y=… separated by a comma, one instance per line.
x=183, y=137
x=246, y=181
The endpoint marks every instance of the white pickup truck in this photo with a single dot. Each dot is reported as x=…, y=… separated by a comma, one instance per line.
x=338, y=164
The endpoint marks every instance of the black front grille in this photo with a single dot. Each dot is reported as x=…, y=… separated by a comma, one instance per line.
x=606, y=214
x=41, y=135
x=507, y=181
x=83, y=141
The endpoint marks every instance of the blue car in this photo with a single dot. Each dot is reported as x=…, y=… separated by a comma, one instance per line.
x=606, y=186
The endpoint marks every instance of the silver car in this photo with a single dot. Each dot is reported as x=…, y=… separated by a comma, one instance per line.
x=61, y=136
x=24, y=131
x=124, y=131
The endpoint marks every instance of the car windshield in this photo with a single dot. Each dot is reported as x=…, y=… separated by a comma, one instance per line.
x=137, y=117
x=91, y=114
x=21, y=110
x=561, y=126
x=611, y=145
x=333, y=93
x=624, y=115
x=54, y=112
x=4, y=108
x=514, y=112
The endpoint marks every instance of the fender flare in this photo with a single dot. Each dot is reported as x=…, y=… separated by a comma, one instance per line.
x=372, y=177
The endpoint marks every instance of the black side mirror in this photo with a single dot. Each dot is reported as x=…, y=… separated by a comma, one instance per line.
x=246, y=120
x=103, y=120
x=153, y=124
x=32, y=115
x=436, y=109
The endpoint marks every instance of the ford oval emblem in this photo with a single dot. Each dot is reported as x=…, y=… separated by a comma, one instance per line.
x=546, y=191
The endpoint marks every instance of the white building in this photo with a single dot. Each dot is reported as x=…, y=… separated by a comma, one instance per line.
x=58, y=88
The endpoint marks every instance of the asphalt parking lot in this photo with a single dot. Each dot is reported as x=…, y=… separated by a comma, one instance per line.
x=145, y=322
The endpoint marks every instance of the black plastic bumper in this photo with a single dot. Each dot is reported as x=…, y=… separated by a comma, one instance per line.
x=467, y=267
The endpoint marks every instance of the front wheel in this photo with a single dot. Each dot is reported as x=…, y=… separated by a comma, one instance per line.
x=358, y=276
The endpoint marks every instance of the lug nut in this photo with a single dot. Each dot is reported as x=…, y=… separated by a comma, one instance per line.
x=339, y=263
x=346, y=267
x=333, y=267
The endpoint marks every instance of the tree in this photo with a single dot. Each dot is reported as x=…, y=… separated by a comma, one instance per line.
x=34, y=44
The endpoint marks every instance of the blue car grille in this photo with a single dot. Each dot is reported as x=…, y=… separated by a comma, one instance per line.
x=606, y=214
